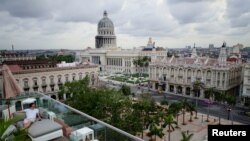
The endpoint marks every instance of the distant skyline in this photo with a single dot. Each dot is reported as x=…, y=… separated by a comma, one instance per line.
x=64, y=24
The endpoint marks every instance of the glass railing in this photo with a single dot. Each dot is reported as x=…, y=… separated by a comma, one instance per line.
x=75, y=124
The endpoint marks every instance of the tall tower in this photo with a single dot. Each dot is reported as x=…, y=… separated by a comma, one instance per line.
x=106, y=33
x=194, y=53
x=223, y=55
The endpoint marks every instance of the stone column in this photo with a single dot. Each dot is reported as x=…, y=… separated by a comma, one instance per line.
x=183, y=90
x=221, y=76
x=153, y=85
x=216, y=79
x=226, y=80
x=202, y=94
x=167, y=87
x=64, y=96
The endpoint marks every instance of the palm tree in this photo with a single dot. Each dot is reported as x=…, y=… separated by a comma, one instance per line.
x=186, y=136
x=196, y=117
x=154, y=130
x=209, y=93
x=169, y=121
x=191, y=108
x=197, y=86
x=141, y=62
x=184, y=106
x=175, y=108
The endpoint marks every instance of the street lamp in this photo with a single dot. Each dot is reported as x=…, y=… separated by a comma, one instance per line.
x=228, y=112
x=208, y=110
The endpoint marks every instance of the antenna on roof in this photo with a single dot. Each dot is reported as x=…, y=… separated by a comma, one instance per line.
x=12, y=47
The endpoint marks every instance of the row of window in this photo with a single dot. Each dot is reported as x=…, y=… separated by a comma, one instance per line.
x=106, y=32
x=52, y=79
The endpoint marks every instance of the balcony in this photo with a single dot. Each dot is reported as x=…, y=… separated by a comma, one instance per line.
x=73, y=124
x=52, y=84
x=35, y=86
x=26, y=87
x=44, y=85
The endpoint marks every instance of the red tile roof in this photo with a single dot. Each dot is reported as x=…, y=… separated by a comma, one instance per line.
x=13, y=68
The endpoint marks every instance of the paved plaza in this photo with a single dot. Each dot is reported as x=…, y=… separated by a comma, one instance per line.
x=198, y=127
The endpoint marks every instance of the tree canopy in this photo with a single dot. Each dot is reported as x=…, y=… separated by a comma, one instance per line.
x=59, y=58
x=118, y=109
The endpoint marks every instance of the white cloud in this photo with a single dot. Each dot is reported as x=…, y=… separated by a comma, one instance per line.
x=59, y=24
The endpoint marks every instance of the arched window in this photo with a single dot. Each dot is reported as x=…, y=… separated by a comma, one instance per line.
x=80, y=76
x=66, y=77
x=43, y=80
x=26, y=82
x=73, y=76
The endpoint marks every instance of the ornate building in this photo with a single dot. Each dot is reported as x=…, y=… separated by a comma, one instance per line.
x=15, y=56
x=112, y=59
x=246, y=83
x=49, y=79
x=106, y=33
x=177, y=75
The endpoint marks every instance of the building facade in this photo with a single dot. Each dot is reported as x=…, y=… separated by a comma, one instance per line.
x=15, y=56
x=246, y=81
x=112, y=59
x=177, y=75
x=49, y=80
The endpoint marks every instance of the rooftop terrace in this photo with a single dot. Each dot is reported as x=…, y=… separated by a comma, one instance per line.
x=74, y=123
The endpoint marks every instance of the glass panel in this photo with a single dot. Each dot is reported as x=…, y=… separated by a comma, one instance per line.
x=78, y=125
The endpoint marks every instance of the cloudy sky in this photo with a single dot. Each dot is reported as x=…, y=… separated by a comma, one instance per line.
x=72, y=24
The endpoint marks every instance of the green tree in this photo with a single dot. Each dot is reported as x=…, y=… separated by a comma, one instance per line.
x=141, y=63
x=175, y=108
x=155, y=130
x=191, y=109
x=231, y=100
x=186, y=136
x=125, y=90
x=210, y=92
x=147, y=106
x=164, y=102
x=220, y=96
x=197, y=86
x=169, y=122
x=184, y=106
x=59, y=58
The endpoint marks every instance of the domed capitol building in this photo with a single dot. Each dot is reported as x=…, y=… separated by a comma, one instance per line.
x=173, y=75
x=112, y=59
x=106, y=33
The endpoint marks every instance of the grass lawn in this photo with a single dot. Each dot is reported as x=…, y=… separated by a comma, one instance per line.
x=133, y=80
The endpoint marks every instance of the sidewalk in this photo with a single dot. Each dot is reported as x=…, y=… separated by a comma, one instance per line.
x=197, y=127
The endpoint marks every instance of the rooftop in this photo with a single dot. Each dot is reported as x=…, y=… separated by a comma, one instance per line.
x=16, y=69
x=71, y=119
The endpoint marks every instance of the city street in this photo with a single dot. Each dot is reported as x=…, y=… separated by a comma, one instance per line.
x=215, y=109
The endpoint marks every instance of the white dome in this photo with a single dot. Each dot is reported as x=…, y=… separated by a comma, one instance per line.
x=106, y=33
x=105, y=25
